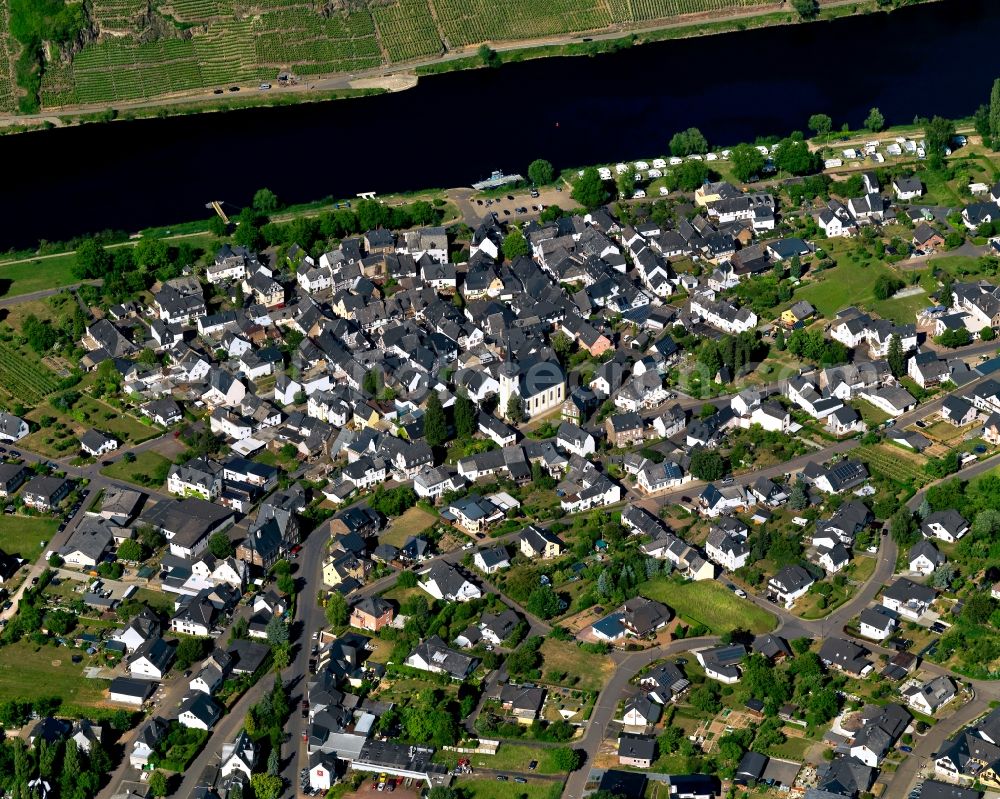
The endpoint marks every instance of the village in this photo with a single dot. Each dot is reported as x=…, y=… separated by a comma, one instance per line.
x=684, y=497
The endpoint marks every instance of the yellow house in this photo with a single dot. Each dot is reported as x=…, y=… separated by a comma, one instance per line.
x=799, y=312
x=342, y=566
x=538, y=543
x=366, y=416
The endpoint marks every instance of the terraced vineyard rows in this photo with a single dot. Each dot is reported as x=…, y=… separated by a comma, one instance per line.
x=311, y=43
x=894, y=463
x=23, y=379
x=222, y=42
x=8, y=102
x=197, y=10
x=117, y=15
x=407, y=29
x=467, y=22
x=636, y=11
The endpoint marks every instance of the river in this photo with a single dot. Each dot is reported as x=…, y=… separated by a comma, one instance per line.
x=455, y=128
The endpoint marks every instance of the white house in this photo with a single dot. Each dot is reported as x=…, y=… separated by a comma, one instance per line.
x=946, y=525
x=924, y=557
x=12, y=428
x=492, y=560
x=576, y=440
x=198, y=711
x=444, y=581
x=876, y=623
x=790, y=584
x=96, y=444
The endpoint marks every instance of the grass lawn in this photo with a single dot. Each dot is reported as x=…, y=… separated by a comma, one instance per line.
x=30, y=672
x=809, y=606
x=861, y=568
x=848, y=283
x=513, y=757
x=413, y=522
x=871, y=415
x=149, y=469
x=157, y=600
x=792, y=749
x=60, y=437
x=958, y=266
x=589, y=670
x=36, y=275
x=902, y=310
x=480, y=788
x=944, y=432
x=111, y=420
x=23, y=535
x=708, y=603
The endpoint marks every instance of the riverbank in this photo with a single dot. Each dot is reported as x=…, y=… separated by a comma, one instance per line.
x=405, y=75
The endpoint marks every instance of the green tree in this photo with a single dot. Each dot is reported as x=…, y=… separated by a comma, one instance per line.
x=69, y=781
x=981, y=122
x=885, y=286
x=987, y=334
x=265, y=202
x=337, y=611
x=220, y=546
x=247, y=232
x=158, y=784
x=541, y=172
x=566, y=759
x=689, y=175
x=779, y=340
x=276, y=631
x=515, y=408
x=820, y=124
x=688, y=142
x=543, y=602
x=995, y=110
x=798, y=499
x=190, y=650
x=217, y=226
x=896, y=357
x=563, y=346
x=589, y=189
x=707, y=464
x=747, y=162
x=109, y=379
x=626, y=184
x=435, y=423
x=488, y=56
x=903, y=529
x=92, y=260
x=515, y=245
x=151, y=254
x=806, y=9
x=266, y=786
x=465, y=417
x=130, y=550
x=793, y=156
x=875, y=121
x=274, y=763
x=938, y=134
x=406, y=579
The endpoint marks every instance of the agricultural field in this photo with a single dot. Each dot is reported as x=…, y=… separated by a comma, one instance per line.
x=709, y=604
x=894, y=462
x=147, y=50
x=407, y=30
x=23, y=378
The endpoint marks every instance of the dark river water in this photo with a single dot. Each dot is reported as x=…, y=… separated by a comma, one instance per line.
x=454, y=129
